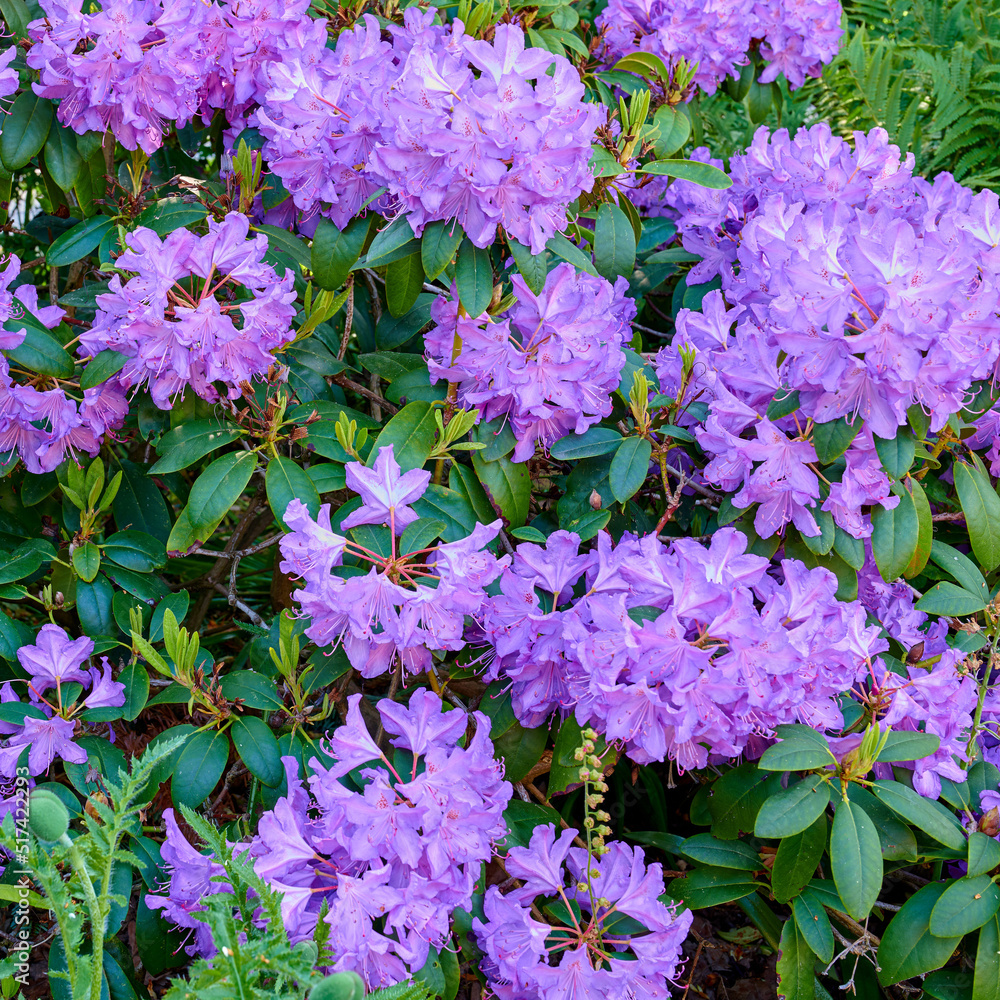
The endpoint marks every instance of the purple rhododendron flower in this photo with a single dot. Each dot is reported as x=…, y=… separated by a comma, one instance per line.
x=526, y=959
x=55, y=659
x=408, y=603
x=8, y=76
x=176, y=336
x=549, y=363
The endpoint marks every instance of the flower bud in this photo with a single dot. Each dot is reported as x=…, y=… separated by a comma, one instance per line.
x=48, y=817
x=339, y=986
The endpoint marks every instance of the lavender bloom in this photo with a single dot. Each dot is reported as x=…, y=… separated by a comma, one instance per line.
x=549, y=363
x=527, y=959
x=176, y=336
x=8, y=77
x=734, y=651
x=490, y=134
x=796, y=37
x=47, y=740
x=407, y=604
x=55, y=659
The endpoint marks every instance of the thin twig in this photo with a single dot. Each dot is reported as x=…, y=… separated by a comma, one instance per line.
x=235, y=602
x=345, y=383
x=348, y=319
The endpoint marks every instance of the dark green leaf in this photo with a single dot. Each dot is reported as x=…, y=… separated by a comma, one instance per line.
x=285, y=250
x=949, y=599
x=25, y=130
x=474, y=278
x=533, y=267
x=258, y=749
x=792, y=810
x=832, y=439
x=984, y=854
x=796, y=860
x=614, y=243
x=925, y=814
x=907, y=745
x=135, y=550
x=136, y=681
x=87, y=561
x=170, y=214
x=101, y=368
x=335, y=252
x=213, y=495
x=411, y=432
x=735, y=799
x=711, y=887
x=81, y=240
x=198, y=767
x=567, y=250
x=255, y=690
x=39, y=351
x=62, y=160
x=897, y=454
x=925, y=532
x=521, y=749
x=961, y=567
x=187, y=442
x=404, y=279
x=966, y=904
x=710, y=850
x=393, y=242
x=796, y=978
x=981, y=507
x=139, y=504
x=814, y=925
x=895, y=535
x=703, y=174
x=908, y=947
x=594, y=441
x=286, y=481
x=986, y=980
x=629, y=467
x=438, y=244
x=672, y=130
x=508, y=486
x=855, y=859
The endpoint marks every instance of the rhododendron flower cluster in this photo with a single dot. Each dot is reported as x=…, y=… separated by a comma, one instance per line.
x=54, y=664
x=138, y=66
x=408, y=603
x=488, y=133
x=391, y=861
x=796, y=37
x=44, y=426
x=849, y=281
x=168, y=320
x=549, y=363
x=681, y=651
x=624, y=943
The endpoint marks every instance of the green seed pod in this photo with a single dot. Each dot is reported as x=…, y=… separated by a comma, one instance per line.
x=48, y=817
x=339, y=986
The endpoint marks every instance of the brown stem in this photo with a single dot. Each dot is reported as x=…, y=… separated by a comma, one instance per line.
x=348, y=318
x=345, y=383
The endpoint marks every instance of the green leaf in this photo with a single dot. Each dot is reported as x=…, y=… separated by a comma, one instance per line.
x=646, y=64
x=411, y=432
x=593, y=441
x=703, y=174
x=813, y=924
x=986, y=980
x=136, y=681
x=255, y=690
x=198, y=767
x=961, y=567
x=822, y=543
x=795, y=968
x=87, y=561
x=565, y=249
x=797, y=751
x=81, y=240
x=135, y=550
x=925, y=532
x=393, y=242
x=286, y=481
x=981, y=507
x=565, y=770
x=710, y=850
x=187, y=442
x=25, y=129
x=62, y=160
x=672, y=130
x=855, y=859
x=736, y=798
x=335, y=252
x=926, y=815
x=16, y=16
x=23, y=561
x=101, y=368
x=832, y=439
x=966, y=904
x=520, y=750
x=897, y=454
x=629, y=467
x=906, y=745
x=711, y=887
x=949, y=599
x=139, y=504
x=285, y=250
x=908, y=947
x=211, y=498
x=170, y=214
x=39, y=351
x=984, y=854
x=792, y=810
x=404, y=279
x=474, y=278
x=533, y=267
x=508, y=486
x=614, y=243
x=895, y=535
x=438, y=244
x=796, y=860
x=419, y=535
x=758, y=101
x=258, y=749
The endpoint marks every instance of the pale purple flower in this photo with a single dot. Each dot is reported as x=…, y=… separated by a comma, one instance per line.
x=384, y=492
x=55, y=659
x=47, y=740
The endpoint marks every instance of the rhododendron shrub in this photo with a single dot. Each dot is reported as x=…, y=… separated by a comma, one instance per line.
x=497, y=503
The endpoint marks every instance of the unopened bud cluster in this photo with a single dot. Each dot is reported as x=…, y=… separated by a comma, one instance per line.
x=592, y=775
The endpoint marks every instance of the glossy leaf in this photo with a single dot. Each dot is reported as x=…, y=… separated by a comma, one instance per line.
x=25, y=129
x=473, y=278
x=629, y=467
x=258, y=749
x=438, y=244
x=80, y=241
x=508, y=486
x=286, y=481
x=965, y=905
x=981, y=507
x=703, y=174
x=793, y=809
x=335, y=251
x=198, y=767
x=908, y=948
x=184, y=444
x=895, y=536
x=855, y=859
x=614, y=243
